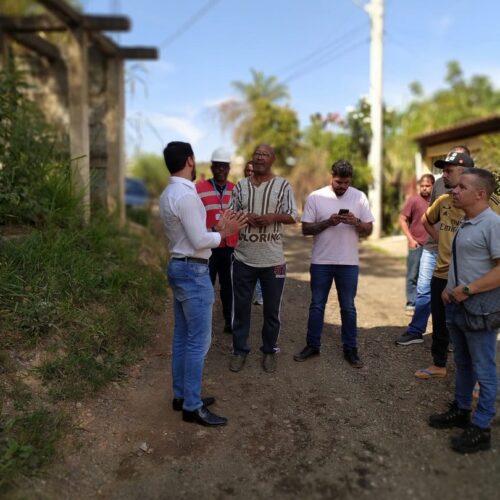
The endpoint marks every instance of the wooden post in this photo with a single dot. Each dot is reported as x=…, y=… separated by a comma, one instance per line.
x=77, y=64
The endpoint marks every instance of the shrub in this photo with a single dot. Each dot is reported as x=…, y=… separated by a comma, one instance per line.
x=35, y=172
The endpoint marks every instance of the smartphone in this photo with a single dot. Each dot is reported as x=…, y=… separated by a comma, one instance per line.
x=343, y=211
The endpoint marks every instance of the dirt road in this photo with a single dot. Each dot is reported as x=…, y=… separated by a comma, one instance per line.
x=315, y=430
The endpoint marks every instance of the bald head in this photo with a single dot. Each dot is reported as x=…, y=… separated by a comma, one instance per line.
x=266, y=147
x=262, y=160
x=460, y=149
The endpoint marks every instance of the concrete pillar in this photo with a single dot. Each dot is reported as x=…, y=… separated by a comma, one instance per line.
x=3, y=50
x=76, y=55
x=98, y=93
x=115, y=118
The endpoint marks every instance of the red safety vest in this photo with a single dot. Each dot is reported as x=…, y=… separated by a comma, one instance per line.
x=215, y=204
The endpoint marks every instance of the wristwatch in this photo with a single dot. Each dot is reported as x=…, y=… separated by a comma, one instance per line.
x=466, y=290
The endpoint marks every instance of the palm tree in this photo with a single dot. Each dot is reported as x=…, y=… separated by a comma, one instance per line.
x=265, y=87
x=238, y=113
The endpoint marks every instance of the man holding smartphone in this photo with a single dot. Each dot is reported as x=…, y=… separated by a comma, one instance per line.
x=336, y=215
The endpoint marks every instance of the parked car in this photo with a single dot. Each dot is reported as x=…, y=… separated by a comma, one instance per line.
x=136, y=194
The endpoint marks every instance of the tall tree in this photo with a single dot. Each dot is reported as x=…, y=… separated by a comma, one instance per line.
x=257, y=116
x=459, y=100
x=151, y=169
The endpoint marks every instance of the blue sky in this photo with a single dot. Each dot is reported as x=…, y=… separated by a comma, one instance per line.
x=179, y=94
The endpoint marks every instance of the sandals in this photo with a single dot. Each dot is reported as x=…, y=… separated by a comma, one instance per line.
x=427, y=373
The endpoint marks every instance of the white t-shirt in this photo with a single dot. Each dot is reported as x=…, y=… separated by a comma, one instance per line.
x=336, y=244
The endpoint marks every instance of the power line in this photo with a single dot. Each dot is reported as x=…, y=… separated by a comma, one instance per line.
x=148, y=122
x=189, y=23
x=323, y=48
x=328, y=58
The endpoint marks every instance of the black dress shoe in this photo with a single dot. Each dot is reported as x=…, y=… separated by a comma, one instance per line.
x=307, y=352
x=178, y=402
x=351, y=356
x=203, y=416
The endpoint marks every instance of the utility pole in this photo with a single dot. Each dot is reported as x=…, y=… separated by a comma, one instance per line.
x=375, y=10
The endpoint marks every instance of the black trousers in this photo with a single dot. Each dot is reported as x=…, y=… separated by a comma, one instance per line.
x=440, y=335
x=272, y=280
x=220, y=264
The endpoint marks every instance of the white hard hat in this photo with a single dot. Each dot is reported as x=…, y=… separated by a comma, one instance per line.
x=221, y=155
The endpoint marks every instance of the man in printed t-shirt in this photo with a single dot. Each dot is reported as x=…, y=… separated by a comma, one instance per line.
x=269, y=202
x=418, y=324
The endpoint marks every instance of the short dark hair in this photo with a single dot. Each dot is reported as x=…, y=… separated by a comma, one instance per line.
x=484, y=179
x=176, y=154
x=342, y=168
x=427, y=176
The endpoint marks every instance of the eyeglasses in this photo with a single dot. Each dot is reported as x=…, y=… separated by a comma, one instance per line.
x=264, y=154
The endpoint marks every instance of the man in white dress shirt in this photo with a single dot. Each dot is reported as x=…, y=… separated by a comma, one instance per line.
x=183, y=216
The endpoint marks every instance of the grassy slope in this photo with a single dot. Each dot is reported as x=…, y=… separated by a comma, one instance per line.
x=75, y=309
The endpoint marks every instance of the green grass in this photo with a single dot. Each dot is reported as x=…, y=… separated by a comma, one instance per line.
x=81, y=299
x=141, y=216
x=75, y=301
x=28, y=442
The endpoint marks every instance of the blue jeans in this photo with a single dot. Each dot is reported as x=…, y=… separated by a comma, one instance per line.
x=422, y=311
x=346, y=282
x=475, y=359
x=193, y=300
x=412, y=267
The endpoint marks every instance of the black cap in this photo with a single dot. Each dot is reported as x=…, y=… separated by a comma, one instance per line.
x=455, y=159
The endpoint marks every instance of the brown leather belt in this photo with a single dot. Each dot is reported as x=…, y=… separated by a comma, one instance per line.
x=195, y=260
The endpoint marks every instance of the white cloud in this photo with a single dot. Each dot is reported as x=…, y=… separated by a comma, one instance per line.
x=164, y=67
x=168, y=125
x=442, y=25
x=150, y=131
x=445, y=22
